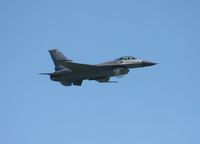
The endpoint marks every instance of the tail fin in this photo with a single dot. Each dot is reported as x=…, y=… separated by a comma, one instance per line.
x=56, y=56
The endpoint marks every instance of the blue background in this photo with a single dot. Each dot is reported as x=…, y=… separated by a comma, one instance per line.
x=152, y=105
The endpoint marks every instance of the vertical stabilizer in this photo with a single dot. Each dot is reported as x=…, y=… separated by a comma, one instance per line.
x=56, y=56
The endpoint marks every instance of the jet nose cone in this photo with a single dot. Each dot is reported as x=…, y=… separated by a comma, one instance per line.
x=148, y=63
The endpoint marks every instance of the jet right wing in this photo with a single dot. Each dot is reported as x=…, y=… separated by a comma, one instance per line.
x=77, y=66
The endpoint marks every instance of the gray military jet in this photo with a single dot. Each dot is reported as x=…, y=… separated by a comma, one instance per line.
x=68, y=72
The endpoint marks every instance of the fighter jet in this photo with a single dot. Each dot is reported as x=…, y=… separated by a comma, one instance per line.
x=70, y=73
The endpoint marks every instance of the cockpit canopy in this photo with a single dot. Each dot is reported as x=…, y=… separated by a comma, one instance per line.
x=126, y=58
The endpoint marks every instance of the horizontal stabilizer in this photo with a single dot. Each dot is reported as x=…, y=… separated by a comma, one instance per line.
x=45, y=73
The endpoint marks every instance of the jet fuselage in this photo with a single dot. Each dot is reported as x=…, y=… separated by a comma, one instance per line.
x=68, y=72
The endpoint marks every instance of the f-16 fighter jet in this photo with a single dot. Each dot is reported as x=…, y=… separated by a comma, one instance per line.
x=70, y=73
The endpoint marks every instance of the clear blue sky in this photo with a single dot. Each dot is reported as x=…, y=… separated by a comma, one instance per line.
x=155, y=105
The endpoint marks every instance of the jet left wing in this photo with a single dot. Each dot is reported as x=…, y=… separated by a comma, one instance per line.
x=77, y=66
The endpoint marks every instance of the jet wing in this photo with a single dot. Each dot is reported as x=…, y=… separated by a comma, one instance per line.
x=77, y=66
